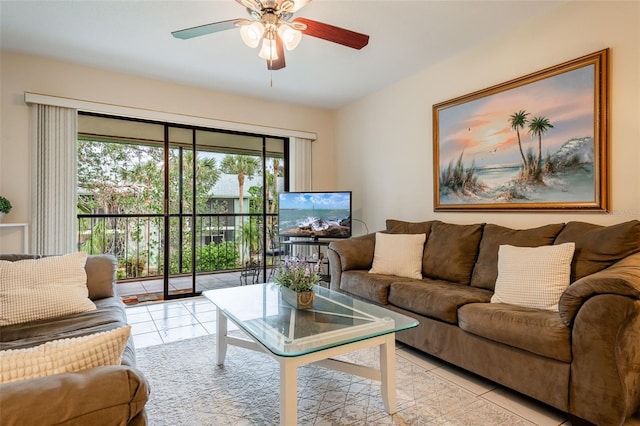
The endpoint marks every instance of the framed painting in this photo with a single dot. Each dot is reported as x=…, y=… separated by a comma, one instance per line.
x=538, y=142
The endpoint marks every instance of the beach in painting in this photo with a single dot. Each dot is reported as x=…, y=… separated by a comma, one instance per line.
x=569, y=186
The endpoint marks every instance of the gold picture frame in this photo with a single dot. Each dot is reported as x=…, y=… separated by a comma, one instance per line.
x=538, y=142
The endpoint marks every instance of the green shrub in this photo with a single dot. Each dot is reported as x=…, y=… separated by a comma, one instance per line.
x=134, y=266
x=211, y=257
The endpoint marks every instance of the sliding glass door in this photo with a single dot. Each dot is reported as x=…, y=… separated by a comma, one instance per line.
x=184, y=209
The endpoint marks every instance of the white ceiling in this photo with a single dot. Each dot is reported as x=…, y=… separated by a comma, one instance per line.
x=135, y=37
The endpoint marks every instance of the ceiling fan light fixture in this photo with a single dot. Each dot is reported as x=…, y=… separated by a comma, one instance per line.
x=290, y=37
x=268, y=50
x=271, y=26
x=252, y=34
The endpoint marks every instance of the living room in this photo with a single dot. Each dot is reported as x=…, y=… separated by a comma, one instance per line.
x=380, y=146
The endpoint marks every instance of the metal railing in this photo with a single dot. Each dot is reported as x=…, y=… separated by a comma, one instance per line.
x=217, y=242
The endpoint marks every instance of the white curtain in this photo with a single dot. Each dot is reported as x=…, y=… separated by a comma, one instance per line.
x=54, y=179
x=300, y=179
x=299, y=164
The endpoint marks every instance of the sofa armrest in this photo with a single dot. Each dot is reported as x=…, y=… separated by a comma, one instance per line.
x=603, y=311
x=99, y=396
x=622, y=278
x=101, y=275
x=605, y=369
x=350, y=254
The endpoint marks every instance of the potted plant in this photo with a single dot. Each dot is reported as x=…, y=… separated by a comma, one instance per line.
x=5, y=206
x=296, y=277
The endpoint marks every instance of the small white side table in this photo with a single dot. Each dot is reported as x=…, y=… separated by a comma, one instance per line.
x=25, y=233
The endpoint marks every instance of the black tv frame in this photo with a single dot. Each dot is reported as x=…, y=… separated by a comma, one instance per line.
x=315, y=236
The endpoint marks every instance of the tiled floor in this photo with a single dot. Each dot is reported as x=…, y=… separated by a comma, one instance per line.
x=163, y=322
x=151, y=290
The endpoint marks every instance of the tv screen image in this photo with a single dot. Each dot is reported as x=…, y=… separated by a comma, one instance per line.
x=314, y=214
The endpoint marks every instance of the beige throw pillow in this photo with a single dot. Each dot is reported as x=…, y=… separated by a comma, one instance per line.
x=64, y=355
x=398, y=254
x=49, y=287
x=533, y=277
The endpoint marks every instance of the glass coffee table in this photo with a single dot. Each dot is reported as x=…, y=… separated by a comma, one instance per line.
x=336, y=324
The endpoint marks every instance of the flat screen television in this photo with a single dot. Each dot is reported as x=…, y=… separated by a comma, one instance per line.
x=314, y=215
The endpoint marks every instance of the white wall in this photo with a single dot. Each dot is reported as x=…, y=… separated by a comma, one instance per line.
x=24, y=73
x=385, y=140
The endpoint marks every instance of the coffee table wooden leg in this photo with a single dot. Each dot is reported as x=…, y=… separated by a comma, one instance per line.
x=221, y=334
x=288, y=392
x=388, y=373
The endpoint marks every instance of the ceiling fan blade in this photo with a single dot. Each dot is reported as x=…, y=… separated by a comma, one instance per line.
x=250, y=4
x=334, y=34
x=207, y=29
x=298, y=4
x=277, y=64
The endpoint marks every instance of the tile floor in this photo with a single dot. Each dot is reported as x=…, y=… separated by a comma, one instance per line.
x=162, y=322
x=147, y=290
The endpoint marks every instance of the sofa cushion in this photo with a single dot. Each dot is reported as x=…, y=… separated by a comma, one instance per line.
x=43, y=288
x=398, y=254
x=355, y=252
x=435, y=299
x=402, y=227
x=533, y=330
x=598, y=247
x=64, y=355
x=372, y=287
x=451, y=252
x=485, y=272
x=110, y=313
x=533, y=277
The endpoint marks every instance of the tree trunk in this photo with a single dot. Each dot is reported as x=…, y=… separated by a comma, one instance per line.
x=524, y=160
x=241, y=192
x=539, y=153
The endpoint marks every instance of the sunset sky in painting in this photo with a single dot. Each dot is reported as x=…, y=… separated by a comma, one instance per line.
x=482, y=129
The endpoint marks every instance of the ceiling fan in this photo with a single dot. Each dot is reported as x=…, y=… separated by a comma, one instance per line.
x=271, y=23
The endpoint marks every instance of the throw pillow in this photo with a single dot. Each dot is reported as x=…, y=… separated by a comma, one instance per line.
x=38, y=289
x=398, y=254
x=64, y=355
x=485, y=272
x=533, y=277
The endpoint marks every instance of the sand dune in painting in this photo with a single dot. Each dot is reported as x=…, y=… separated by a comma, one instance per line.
x=568, y=177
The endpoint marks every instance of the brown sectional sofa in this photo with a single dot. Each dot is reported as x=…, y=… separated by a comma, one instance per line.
x=110, y=395
x=583, y=360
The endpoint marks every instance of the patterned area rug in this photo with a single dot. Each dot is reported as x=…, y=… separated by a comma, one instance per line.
x=188, y=388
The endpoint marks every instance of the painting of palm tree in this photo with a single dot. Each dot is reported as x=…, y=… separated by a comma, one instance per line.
x=536, y=142
x=518, y=120
x=538, y=126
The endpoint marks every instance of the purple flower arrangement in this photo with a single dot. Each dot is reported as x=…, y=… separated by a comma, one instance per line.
x=298, y=273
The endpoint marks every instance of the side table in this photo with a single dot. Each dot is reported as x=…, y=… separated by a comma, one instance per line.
x=25, y=233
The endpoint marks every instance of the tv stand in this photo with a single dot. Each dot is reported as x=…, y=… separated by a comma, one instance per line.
x=318, y=253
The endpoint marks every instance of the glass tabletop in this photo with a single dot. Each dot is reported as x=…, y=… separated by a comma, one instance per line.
x=335, y=318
